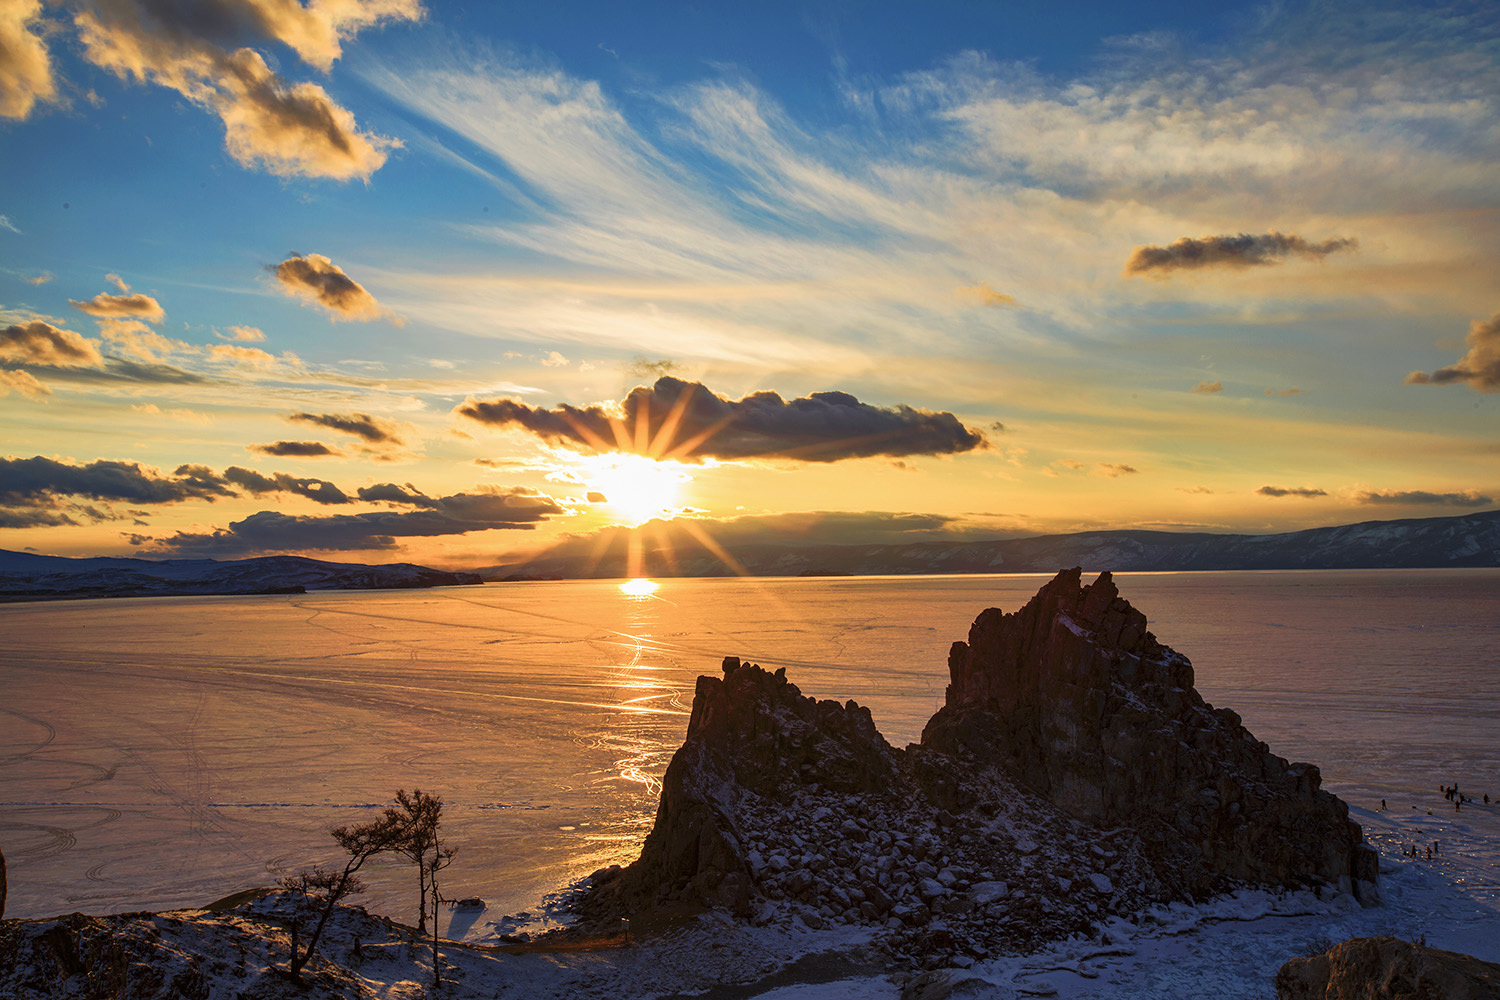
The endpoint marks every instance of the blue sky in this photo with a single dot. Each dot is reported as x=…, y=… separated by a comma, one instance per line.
x=1067, y=267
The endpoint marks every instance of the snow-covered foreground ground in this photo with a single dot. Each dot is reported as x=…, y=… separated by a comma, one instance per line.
x=1227, y=948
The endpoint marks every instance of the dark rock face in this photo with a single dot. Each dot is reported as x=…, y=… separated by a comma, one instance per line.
x=1073, y=773
x=1079, y=701
x=1386, y=968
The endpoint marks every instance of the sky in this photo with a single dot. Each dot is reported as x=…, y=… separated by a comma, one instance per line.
x=395, y=280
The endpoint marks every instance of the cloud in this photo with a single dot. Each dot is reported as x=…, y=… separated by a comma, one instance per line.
x=197, y=50
x=22, y=382
x=375, y=430
x=26, y=77
x=1194, y=489
x=106, y=306
x=983, y=295
x=184, y=415
x=243, y=334
x=1113, y=471
x=685, y=420
x=1467, y=498
x=256, y=484
x=593, y=496
x=1480, y=366
x=253, y=356
x=1291, y=491
x=295, y=449
x=646, y=368
x=5, y=222
x=271, y=531
x=44, y=344
x=486, y=504
x=1208, y=388
x=135, y=337
x=1295, y=390
x=1244, y=250
x=555, y=360
x=27, y=480
x=320, y=280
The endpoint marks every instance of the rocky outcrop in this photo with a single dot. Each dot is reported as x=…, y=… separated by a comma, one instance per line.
x=1386, y=968
x=1072, y=774
x=1076, y=698
x=776, y=799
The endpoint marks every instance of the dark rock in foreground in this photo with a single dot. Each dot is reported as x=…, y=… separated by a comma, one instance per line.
x=239, y=952
x=1386, y=968
x=1073, y=773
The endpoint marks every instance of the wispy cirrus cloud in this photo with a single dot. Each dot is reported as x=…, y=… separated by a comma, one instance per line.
x=739, y=223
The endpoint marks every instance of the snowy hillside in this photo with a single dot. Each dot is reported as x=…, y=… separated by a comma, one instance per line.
x=27, y=576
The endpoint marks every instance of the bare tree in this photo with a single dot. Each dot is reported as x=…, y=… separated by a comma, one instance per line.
x=418, y=816
x=440, y=858
x=361, y=842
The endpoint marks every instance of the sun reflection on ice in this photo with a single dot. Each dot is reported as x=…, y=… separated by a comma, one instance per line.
x=639, y=587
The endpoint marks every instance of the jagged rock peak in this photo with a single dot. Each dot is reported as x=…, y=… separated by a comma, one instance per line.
x=1006, y=657
x=1079, y=701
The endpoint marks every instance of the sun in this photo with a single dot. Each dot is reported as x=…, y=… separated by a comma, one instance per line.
x=635, y=488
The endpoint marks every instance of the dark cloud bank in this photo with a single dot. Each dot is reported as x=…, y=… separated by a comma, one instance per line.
x=375, y=430
x=821, y=427
x=1243, y=250
x=41, y=490
x=1291, y=491
x=272, y=531
x=295, y=449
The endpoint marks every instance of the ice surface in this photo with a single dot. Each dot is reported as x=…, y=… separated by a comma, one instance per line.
x=165, y=752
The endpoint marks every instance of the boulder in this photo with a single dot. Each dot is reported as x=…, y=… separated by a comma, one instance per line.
x=1387, y=968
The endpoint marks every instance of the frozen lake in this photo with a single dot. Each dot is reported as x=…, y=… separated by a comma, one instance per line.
x=163, y=752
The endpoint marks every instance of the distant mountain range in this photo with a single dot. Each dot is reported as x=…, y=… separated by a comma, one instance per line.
x=27, y=576
x=1465, y=540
